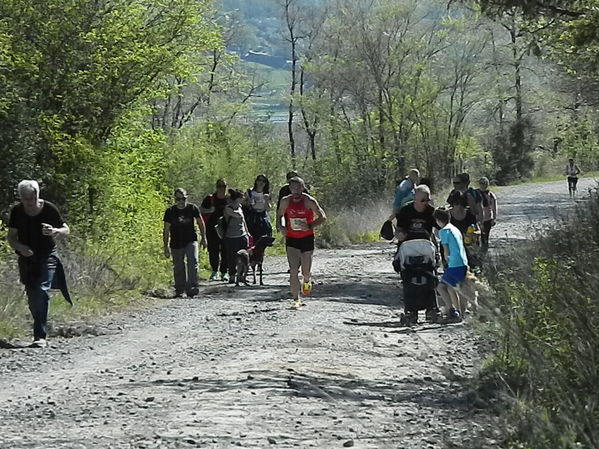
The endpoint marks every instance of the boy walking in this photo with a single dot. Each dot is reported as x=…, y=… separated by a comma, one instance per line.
x=457, y=265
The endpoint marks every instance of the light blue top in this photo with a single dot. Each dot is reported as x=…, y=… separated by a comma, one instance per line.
x=452, y=237
x=404, y=193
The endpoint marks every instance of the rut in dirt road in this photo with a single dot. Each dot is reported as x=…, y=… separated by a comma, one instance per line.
x=238, y=368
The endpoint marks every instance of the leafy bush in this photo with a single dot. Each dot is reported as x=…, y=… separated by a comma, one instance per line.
x=549, y=333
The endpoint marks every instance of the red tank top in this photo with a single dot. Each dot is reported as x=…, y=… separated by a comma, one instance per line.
x=295, y=214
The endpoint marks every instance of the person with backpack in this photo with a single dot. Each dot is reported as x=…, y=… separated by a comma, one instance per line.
x=461, y=183
x=257, y=204
x=404, y=192
x=489, y=211
x=236, y=235
x=212, y=209
x=181, y=242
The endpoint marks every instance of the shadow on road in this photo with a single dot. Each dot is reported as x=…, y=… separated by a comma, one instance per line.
x=425, y=392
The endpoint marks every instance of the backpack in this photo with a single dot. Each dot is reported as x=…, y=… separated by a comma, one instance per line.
x=476, y=194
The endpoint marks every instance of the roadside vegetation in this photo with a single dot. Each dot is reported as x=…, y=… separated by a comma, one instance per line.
x=546, y=332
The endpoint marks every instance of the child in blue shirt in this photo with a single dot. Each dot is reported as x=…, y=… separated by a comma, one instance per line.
x=457, y=265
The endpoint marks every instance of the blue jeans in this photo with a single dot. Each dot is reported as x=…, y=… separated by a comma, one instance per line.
x=37, y=275
x=186, y=278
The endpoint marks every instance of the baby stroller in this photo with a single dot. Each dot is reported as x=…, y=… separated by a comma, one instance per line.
x=415, y=261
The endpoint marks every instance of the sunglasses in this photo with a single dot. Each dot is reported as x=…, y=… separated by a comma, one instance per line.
x=261, y=180
x=180, y=198
x=220, y=186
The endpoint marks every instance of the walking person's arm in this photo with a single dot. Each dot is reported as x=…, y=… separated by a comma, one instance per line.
x=13, y=241
x=313, y=204
x=280, y=214
x=166, y=233
x=493, y=208
x=49, y=230
x=202, y=228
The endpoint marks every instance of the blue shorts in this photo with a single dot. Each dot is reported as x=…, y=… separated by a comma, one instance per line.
x=455, y=275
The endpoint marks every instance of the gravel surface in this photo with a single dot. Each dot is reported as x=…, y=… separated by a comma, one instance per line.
x=237, y=367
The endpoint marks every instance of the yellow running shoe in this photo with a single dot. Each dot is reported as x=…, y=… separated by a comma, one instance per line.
x=306, y=288
x=297, y=304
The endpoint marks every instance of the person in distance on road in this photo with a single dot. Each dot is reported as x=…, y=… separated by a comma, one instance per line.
x=32, y=227
x=572, y=171
x=297, y=216
x=489, y=207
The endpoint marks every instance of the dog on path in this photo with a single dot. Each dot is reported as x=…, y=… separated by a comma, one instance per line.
x=470, y=292
x=252, y=257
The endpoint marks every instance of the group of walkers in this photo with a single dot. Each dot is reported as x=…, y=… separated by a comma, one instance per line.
x=229, y=220
x=470, y=213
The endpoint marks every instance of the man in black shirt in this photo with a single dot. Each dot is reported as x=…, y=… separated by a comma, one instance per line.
x=32, y=226
x=415, y=219
x=180, y=241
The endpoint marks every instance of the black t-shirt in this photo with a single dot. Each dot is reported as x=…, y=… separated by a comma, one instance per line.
x=462, y=225
x=30, y=228
x=182, y=229
x=219, y=206
x=416, y=224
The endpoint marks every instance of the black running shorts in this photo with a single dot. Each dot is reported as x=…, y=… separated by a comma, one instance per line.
x=572, y=180
x=305, y=244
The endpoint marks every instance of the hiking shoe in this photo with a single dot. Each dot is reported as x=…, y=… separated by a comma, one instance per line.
x=193, y=292
x=213, y=276
x=408, y=318
x=432, y=316
x=231, y=280
x=39, y=343
x=306, y=288
x=453, y=316
x=178, y=294
x=224, y=277
x=297, y=303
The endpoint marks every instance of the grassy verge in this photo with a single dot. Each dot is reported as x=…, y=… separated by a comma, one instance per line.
x=547, y=335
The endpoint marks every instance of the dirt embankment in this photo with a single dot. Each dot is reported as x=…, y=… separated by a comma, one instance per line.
x=237, y=367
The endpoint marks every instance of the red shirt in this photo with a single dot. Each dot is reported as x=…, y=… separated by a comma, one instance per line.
x=296, y=214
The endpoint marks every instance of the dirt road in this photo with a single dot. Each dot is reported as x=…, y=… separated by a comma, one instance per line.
x=238, y=368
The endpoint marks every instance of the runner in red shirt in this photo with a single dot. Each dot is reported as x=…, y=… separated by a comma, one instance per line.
x=301, y=214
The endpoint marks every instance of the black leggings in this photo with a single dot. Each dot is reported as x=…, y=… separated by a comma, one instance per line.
x=216, y=251
x=232, y=245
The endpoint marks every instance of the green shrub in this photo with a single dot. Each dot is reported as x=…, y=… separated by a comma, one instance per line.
x=548, y=351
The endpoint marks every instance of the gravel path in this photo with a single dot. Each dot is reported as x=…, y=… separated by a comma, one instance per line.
x=237, y=367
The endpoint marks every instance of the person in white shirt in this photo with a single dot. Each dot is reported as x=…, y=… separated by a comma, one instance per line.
x=572, y=171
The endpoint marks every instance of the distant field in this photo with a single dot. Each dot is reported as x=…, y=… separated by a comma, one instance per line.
x=272, y=98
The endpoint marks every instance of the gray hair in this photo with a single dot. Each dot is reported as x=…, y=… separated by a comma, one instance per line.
x=29, y=185
x=414, y=171
x=298, y=180
x=422, y=189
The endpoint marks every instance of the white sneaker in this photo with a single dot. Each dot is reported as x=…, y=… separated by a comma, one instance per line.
x=213, y=276
x=39, y=343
